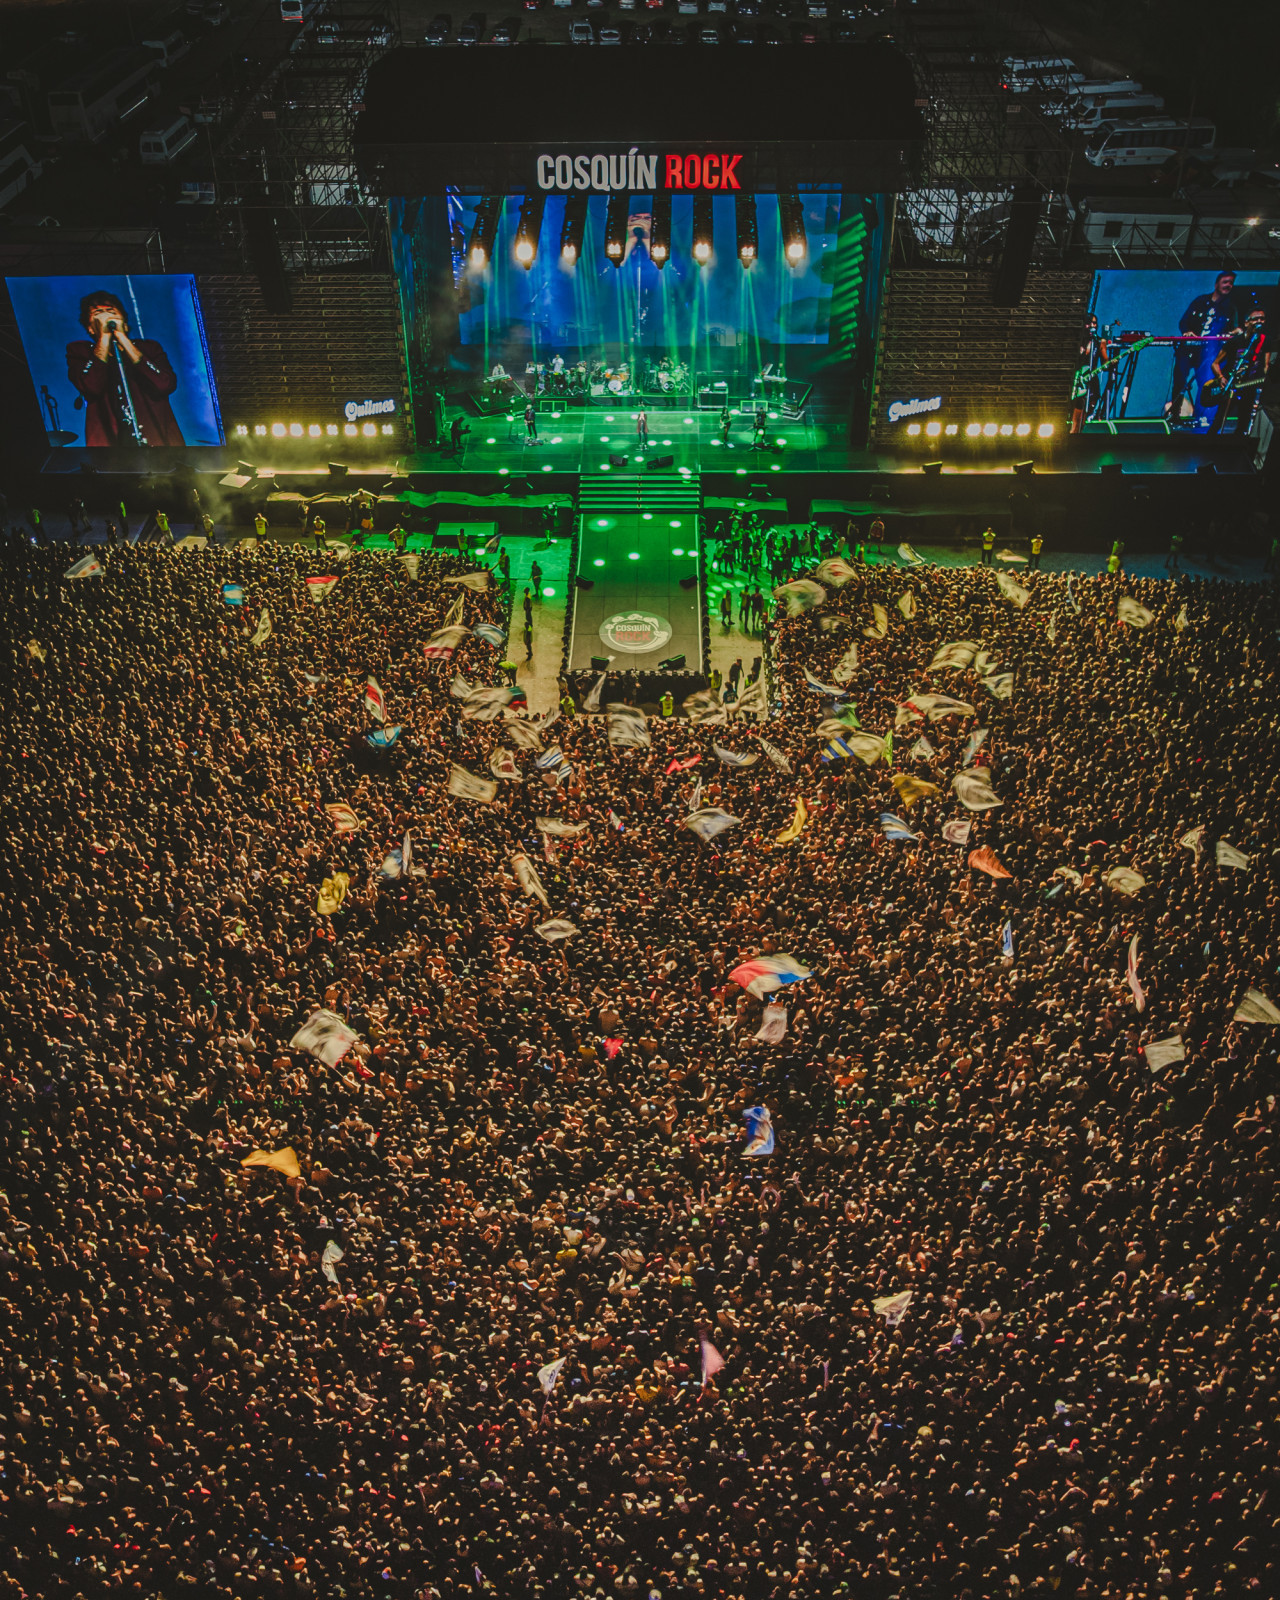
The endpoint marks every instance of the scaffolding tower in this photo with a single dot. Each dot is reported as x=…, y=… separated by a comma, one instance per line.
x=987, y=137
x=285, y=167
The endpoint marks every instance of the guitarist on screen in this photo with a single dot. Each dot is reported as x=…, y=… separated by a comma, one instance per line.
x=1239, y=371
x=1218, y=312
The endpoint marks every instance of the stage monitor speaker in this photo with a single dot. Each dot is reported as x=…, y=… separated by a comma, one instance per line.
x=672, y=664
x=337, y=469
x=1023, y=469
x=1206, y=469
x=932, y=469
x=1019, y=240
x=619, y=461
x=600, y=663
x=689, y=583
x=584, y=583
x=660, y=463
x=1111, y=469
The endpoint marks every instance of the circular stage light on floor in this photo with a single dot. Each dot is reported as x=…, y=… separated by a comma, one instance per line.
x=491, y=441
x=503, y=471
x=548, y=594
x=633, y=555
x=666, y=444
x=741, y=472
x=546, y=469
x=604, y=438
x=558, y=439
x=646, y=516
x=677, y=551
x=611, y=418
x=716, y=443
x=676, y=523
x=598, y=562
x=688, y=420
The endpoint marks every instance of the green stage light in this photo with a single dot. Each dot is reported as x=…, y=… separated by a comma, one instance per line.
x=546, y=469
x=558, y=439
x=676, y=551
x=548, y=594
x=676, y=523
x=491, y=441
x=773, y=416
x=556, y=415
x=602, y=522
x=775, y=469
x=742, y=472
x=503, y=471
x=716, y=443
x=688, y=420
x=665, y=443
x=646, y=516
x=610, y=419
x=633, y=555
x=604, y=438
x=605, y=467
x=598, y=562
x=782, y=442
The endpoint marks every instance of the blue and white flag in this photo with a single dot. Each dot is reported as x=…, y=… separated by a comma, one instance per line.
x=1006, y=941
x=383, y=738
x=491, y=633
x=759, y=1131
x=233, y=594
x=734, y=758
x=895, y=828
x=973, y=744
x=550, y=760
x=818, y=687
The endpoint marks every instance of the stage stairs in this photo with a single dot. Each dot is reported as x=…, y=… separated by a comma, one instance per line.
x=629, y=494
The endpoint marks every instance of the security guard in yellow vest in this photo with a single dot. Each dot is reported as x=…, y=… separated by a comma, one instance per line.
x=666, y=704
x=1037, y=545
x=988, y=545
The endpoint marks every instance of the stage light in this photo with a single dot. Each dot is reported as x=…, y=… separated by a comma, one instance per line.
x=633, y=555
x=913, y=429
x=675, y=523
x=241, y=431
x=259, y=430
x=558, y=439
x=350, y=430
x=703, y=235
x=748, y=233
x=951, y=429
x=483, y=232
x=973, y=430
x=313, y=431
x=615, y=227
x=548, y=594
x=370, y=430
x=278, y=430
x=660, y=229
x=1023, y=429
x=677, y=551
x=794, y=240
x=598, y=562
x=571, y=231
x=528, y=229
x=1006, y=430
x=989, y=430
x=295, y=430
x=332, y=430
x=933, y=429
x=1045, y=430
x=387, y=428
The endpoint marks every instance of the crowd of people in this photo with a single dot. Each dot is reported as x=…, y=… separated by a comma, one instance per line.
x=992, y=1310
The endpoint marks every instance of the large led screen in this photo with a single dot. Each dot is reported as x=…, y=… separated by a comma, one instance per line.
x=118, y=360
x=1188, y=350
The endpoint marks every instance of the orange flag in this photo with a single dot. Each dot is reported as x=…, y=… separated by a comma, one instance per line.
x=985, y=861
x=278, y=1160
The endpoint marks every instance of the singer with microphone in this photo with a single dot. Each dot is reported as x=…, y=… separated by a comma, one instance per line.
x=125, y=384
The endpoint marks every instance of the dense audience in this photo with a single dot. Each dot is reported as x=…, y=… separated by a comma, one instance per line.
x=536, y=1150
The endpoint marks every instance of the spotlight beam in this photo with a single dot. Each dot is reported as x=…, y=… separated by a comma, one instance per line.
x=660, y=230
x=573, y=228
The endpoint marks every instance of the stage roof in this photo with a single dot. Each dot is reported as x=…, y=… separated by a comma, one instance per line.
x=797, y=114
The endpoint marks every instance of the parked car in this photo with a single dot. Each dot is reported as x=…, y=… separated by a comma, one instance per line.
x=440, y=29
x=504, y=33
x=581, y=32
x=610, y=36
x=708, y=34
x=472, y=30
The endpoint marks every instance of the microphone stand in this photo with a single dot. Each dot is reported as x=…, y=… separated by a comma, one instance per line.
x=131, y=415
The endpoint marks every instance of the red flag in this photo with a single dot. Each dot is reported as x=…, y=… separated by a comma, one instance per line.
x=985, y=861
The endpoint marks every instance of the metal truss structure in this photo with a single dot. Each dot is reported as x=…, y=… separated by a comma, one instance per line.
x=985, y=138
x=288, y=151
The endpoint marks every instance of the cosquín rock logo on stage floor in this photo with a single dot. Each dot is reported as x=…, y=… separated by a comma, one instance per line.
x=635, y=632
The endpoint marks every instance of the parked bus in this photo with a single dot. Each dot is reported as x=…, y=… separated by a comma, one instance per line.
x=1148, y=141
